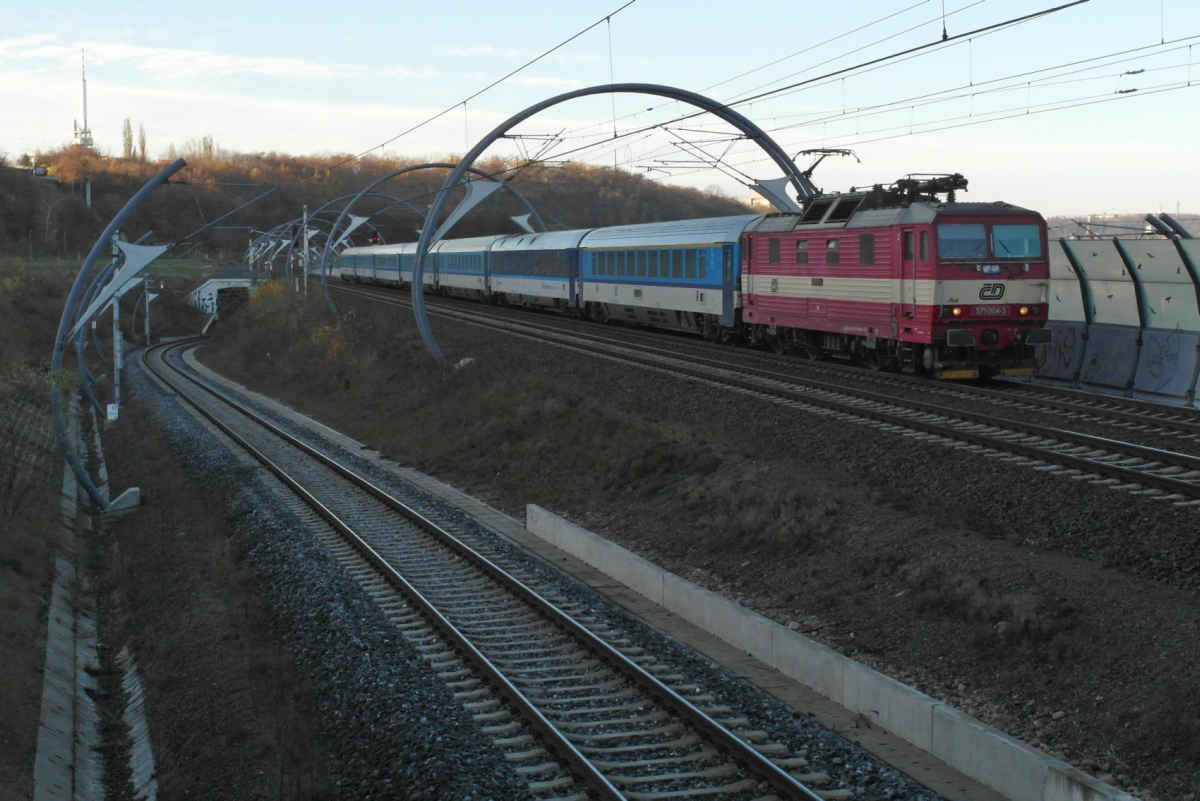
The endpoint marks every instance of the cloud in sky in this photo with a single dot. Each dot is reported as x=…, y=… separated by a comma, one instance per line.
x=174, y=63
x=535, y=80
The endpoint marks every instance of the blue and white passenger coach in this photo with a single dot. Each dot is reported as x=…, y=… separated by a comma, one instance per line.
x=459, y=267
x=682, y=275
x=537, y=269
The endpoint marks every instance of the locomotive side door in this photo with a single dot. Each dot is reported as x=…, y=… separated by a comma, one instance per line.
x=908, y=274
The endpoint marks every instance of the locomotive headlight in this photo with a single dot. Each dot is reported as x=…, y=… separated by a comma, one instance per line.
x=1024, y=310
x=1034, y=310
x=991, y=269
x=956, y=311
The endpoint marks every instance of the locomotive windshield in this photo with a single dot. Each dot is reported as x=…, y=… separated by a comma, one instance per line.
x=1017, y=241
x=962, y=241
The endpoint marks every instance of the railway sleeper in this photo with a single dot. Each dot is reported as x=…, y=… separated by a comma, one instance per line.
x=524, y=650
x=625, y=735
x=599, y=710
x=545, y=692
x=736, y=787
x=553, y=784
x=537, y=770
x=582, y=669
x=548, y=662
x=710, y=773
x=524, y=756
x=626, y=693
x=696, y=756
x=584, y=725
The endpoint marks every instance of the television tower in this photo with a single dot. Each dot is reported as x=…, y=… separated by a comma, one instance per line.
x=83, y=135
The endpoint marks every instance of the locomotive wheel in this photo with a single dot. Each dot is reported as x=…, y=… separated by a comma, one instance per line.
x=779, y=345
x=873, y=361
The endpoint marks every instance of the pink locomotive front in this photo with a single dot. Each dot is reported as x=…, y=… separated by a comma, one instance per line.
x=898, y=280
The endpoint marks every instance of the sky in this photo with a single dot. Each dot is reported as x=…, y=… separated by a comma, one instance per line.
x=1038, y=113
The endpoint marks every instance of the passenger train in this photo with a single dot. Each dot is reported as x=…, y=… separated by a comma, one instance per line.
x=892, y=277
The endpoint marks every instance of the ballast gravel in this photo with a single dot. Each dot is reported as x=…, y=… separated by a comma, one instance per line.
x=394, y=729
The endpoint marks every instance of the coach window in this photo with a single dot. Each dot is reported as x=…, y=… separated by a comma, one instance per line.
x=802, y=252
x=773, y=250
x=832, y=254
x=866, y=249
x=924, y=246
x=702, y=257
x=677, y=264
x=690, y=264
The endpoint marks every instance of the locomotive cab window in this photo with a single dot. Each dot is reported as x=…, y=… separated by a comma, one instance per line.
x=866, y=249
x=924, y=246
x=1016, y=241
x=832, y=254
x=773, y=250
x=963, y=241
x=802, y=252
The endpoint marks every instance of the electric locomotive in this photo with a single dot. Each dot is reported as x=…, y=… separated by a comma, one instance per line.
x=899, y=279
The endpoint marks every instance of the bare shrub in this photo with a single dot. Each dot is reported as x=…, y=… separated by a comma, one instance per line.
x=1016, y=617
x=741, y=509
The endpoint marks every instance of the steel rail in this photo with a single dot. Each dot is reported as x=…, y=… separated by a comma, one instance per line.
x=662, y=359
x=1058, y=399
x=759, y=764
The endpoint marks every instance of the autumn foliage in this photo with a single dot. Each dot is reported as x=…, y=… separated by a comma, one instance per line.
x=48, y=217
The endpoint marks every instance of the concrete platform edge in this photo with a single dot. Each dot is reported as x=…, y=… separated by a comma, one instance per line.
x=982, y=752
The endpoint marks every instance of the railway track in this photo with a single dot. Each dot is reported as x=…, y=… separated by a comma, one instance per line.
x=1144, y=417
x=1141, y=470
x=572, y=704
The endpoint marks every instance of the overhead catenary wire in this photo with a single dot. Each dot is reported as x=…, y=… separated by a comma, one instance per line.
x=442, y=113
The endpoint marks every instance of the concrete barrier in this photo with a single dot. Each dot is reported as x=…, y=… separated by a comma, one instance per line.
x=1062, y=360
x=1167, y=365
x=1111, y=358
x=970, y=746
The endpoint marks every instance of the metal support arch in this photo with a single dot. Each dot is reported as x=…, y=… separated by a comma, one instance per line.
x=801, y=182
x=434, y=165
x=71, y=309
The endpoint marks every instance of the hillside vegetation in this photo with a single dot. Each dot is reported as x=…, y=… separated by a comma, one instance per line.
x=47, y=217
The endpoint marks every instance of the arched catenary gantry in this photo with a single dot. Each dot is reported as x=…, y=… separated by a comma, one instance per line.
x=537, y=218
x=802, y=184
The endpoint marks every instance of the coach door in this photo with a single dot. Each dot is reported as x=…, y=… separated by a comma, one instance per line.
x=908, y=274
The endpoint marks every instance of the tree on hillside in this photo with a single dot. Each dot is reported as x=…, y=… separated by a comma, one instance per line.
x=127, y=139
x=141, y=142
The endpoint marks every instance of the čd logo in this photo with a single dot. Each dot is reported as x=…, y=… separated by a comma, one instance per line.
x=991, y=292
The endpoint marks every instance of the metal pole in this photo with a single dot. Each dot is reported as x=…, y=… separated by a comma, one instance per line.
x=64, y=326
x=304, y=254
x=147, y=296
x=114, y=410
